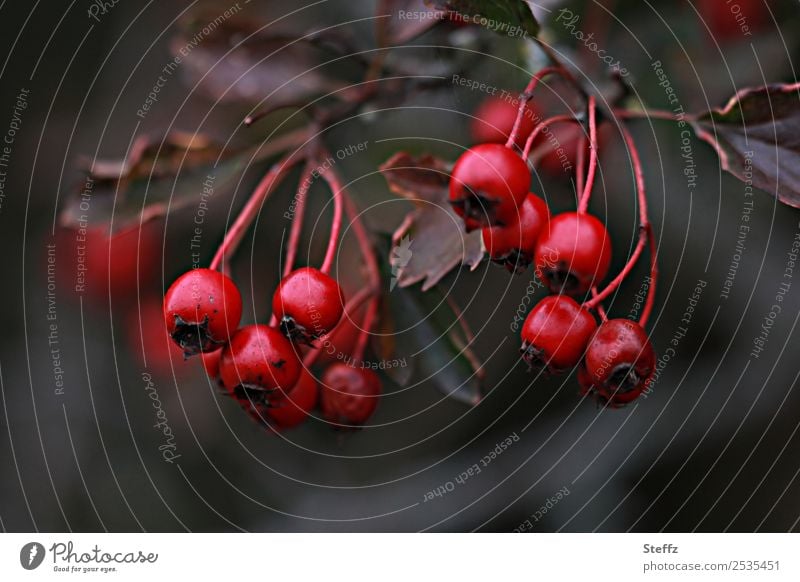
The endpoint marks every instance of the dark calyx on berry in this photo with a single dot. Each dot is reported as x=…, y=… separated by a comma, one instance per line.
x=193, y=338
x=478, y=206
x=624, y=379
x=559, y=279
x=515, y=262
x=533, y=356
x=296, y=332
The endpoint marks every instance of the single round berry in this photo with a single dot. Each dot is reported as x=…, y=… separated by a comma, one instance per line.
x=488, y=184
x=574, y=254
x=515, y=245
x=349, y=395
x=495, y=118
x=556, y=333
x=258, y=360
x=619, y=362
x=202, y=310
x=293, y=407
x=309, y=304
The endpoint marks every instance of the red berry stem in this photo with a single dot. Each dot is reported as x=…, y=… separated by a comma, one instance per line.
x=528, y=95
x=651, y=290
x=583, y=205
x=335, y=183
x=645, y=234
x=297, y=220
x=580, y=167
x=541, y=127
x=646, y=114
x=265, y=187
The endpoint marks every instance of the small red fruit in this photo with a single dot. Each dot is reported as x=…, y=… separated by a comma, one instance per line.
x=515, y=245
x=488, y=185
x=349, y=395
x=202, y=310
x=309, y=304
x=556, y=333
x=258, y=360
x=574, y=254
x=620, y=361
x=495, y=118
x=149, y=341
x=211, y=363
x=290, y=409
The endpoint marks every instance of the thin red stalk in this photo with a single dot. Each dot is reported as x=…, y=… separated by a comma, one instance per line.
x=580, y=167
x=599, y=307
x=647, y=113
x=366, y=327
x=583, y=205
x=351, y=306
x=528, y=95
x=645, y=231
x=332, y=178
x=262, y=191
x=541, y=127
x=623, y=274
x=651, y=290
x=297, y=220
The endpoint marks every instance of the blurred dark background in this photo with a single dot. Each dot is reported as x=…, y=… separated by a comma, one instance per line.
x=712, y=448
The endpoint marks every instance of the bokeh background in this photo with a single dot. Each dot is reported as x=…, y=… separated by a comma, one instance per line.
x=713, y=447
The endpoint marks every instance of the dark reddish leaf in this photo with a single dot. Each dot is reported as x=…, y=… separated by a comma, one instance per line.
x=431, y=241
x=236, y=62
x=507, y=17
x=158, y=176
x=758, y=133
x=425, y=337
x=400, y=21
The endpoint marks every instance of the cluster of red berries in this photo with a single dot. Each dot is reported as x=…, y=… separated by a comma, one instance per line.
x=571, y=254
x=259, y=365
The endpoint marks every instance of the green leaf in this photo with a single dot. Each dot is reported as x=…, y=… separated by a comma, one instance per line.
x=507, y=17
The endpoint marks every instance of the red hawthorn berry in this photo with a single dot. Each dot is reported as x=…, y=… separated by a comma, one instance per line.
x=556, y=333
x=202, y=310
x=619, y=362
x=115, y=265
x=495, y=118
x=573, y=254
x=515, y=245
x=257, y=361
x=733, y=21
x=289, y=409
x=309, y=304
x=338, y=345
x=488, y=184
x=349, y=395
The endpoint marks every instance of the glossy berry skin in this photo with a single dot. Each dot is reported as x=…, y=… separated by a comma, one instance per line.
x=309, y=304
x=619, y=362
x=258, y=360
x=574, y=254
x=349, y=395
x=202, y=310
x=488, y=184
x=290, y=409
x=556, y=333
x=495, y=118
x=515, y=245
